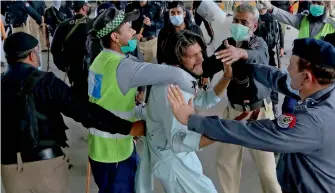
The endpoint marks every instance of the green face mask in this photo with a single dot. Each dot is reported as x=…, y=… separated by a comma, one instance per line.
x=239, y=32
x=317, y=10
x=131, y=46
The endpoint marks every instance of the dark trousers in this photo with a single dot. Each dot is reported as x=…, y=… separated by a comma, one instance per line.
x=116, y=177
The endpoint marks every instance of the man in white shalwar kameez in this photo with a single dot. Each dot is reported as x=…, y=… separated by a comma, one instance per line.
x=171, y=148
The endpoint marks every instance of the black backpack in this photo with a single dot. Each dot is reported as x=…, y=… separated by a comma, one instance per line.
x=22, y=124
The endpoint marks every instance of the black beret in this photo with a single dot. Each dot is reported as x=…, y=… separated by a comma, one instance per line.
x=315, y=51
x=19, y=42
x=175, y=4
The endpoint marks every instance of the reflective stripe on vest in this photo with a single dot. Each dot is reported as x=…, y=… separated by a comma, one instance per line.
x=104, y=91
x=304, y=31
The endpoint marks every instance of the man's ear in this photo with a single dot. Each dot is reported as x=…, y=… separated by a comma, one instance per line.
x=184, y=13
x=255, y=26
x=309, y=77
x=114, y=37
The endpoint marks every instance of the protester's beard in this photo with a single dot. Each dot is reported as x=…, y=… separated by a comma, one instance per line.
x=190, y=72
x=313, y=19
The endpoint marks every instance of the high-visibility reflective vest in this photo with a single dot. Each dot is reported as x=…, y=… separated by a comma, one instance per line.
x=304, y=30
x=104, y=91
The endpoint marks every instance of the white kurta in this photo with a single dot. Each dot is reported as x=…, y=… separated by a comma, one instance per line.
x=171, y=147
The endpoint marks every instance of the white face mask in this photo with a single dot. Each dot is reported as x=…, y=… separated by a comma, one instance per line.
x=295, y=85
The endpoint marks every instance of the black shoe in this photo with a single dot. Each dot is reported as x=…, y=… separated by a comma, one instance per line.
x=332, y=16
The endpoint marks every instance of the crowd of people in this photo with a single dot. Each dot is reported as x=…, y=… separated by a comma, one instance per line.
x=136, y=72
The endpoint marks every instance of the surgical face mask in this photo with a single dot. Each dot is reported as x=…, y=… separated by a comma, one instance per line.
x=295, y=84
x=239, y=32
x=130, y=47
x=317, y=10
x=177, y=20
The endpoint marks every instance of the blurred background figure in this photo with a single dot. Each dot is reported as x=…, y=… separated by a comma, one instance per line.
x=53, y=16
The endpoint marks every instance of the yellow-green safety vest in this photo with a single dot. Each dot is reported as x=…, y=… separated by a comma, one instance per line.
x=104, y=91
x=304, y=30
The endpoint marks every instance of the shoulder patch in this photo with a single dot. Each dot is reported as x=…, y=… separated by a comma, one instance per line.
x=286, y=121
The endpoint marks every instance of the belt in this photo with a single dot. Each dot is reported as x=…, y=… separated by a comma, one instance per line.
x=148, y=38
x=19, y=25
x=32, y=156
x=250, y=107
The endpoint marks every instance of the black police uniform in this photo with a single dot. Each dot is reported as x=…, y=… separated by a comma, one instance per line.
x=69, y=56
x=243, y=90
x=152, y=10
x=52, y=98
x=19, y=11
x=53, y=18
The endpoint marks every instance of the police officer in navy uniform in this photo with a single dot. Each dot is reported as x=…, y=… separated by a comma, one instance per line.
x=18, y=14
x=68, y=47
x=32, y=126
x=306, y=137
x=147, y=25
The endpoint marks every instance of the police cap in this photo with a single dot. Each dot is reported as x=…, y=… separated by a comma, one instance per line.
x=110, y=20
x=19, y=42
x=315, y=51
x=174, y=4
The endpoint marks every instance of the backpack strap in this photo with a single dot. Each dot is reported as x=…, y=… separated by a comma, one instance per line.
x=31, y=81
x=74, y=28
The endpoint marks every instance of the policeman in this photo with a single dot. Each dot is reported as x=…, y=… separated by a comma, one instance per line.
x=32, y=126
x=248, y=99
x=68, y=47
x=305, y=137
x=271, y=31
x=53, y=16
x=18, y=14
x=147, y=25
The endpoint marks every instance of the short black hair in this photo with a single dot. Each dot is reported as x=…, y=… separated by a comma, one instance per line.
x=176, y=43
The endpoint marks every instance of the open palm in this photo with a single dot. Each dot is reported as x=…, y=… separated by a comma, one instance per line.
x=181, y=110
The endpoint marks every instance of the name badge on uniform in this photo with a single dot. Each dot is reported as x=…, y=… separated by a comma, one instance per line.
x=286, y=121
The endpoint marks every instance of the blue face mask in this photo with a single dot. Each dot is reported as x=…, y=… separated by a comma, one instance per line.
x=177, y=20
x=317, y=10
x=239, y=32
x=131, y=46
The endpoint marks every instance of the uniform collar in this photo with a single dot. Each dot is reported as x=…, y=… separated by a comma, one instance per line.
x=321, y=93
